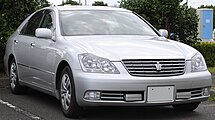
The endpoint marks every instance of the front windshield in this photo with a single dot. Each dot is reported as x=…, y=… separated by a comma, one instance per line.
x=103, y=23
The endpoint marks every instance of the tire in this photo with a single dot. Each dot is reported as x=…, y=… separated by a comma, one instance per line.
x=68, y=102
x=15, y=87
x=188, y=107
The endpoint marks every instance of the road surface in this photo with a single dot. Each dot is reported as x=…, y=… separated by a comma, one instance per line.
x=35, y=105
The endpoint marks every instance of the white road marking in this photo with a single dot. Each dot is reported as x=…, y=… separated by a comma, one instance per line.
x=17, y=109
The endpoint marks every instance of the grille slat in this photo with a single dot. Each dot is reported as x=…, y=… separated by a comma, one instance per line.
x=140, y=68
x=197, y=91
x=155, y=74
x=148, y=61
x=149, y=68
x=196, y=95
x=173, y=67
x=112, y=98
x=118, y=95
x=113, y=94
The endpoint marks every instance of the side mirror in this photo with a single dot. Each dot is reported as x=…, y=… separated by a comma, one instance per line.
x=43, y=33
x=164, y=33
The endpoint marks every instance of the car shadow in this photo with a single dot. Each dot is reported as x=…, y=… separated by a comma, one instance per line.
x=115, y=113
x=137, y=113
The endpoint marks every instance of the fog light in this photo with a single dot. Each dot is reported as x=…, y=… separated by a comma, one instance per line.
x=206, y=91
x=92, y=95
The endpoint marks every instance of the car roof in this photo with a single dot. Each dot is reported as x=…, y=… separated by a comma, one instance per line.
x=99, y=8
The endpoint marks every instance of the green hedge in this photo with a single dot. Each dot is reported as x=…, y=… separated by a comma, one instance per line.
x=208, y=51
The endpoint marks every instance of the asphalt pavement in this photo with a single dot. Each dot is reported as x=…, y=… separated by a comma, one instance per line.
x=35, y=105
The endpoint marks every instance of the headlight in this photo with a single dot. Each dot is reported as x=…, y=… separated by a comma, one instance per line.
x=198, y=63
x=94, y=64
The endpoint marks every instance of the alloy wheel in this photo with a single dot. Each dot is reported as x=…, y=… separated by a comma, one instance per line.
x=66, y=91
x=13, y=75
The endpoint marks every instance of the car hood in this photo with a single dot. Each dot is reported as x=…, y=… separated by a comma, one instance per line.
x=117, y=48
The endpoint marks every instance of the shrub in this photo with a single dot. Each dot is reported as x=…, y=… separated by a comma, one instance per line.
x=208, y=51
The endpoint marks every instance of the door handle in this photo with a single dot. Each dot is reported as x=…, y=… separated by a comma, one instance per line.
x=32, y=44
x=15, y=41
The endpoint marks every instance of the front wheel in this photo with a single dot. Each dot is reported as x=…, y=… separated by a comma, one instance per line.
x=15, y=87
x=69, y=105
x=186, y=107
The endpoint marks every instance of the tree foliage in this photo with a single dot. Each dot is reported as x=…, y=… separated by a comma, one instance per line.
x=12, y=13
x=188, y=25
x=43, y=3
x=70, y=2
x=211, y=7
x=167, y=14
x=99, y=3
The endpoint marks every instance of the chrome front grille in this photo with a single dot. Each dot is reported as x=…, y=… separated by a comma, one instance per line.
x=155, y=67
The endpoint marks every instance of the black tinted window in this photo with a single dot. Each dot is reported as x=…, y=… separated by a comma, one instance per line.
x=33, y=24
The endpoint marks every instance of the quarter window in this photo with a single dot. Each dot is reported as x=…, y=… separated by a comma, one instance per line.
x=47, y=21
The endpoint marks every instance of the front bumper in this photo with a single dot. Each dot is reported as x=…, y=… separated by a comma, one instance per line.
x=124, y=82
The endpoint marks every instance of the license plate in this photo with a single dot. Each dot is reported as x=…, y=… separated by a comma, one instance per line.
x=160, y=94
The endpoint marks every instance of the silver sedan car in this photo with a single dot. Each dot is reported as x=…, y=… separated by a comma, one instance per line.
x=103, y=56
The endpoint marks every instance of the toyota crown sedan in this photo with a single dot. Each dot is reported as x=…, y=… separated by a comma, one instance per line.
x=103, y=56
